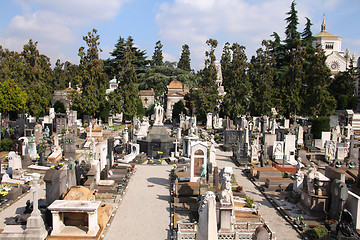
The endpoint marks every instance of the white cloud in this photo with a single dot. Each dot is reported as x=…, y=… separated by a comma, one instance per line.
x=247, y=22
x=53, y=24
x=169, y=57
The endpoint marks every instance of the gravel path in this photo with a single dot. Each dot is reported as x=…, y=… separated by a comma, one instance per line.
x=144, y=210
x=277, y=224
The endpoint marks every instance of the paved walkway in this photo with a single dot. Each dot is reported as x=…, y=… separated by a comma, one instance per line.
x=144, y=210
x=277, y=224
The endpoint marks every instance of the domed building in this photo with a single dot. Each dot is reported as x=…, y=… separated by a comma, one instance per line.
x=337, y=60
x=175, y=93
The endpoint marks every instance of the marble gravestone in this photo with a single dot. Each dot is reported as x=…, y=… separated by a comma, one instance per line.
x=207, y=226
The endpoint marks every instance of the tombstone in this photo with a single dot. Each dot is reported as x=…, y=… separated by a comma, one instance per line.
x=126, y=135
x=341, y=152
x=182, y=120
x=231, y=137
x=300, y=136
x=280, y=134
x=198, y=157
x=325, y=136
x=52, y=185
x=207, y=225
x=339, y=194
x=110, y=148
x=110, y=121
x=62, y=181
x=334, y=121
x=330, y=150
x=290, y=148
x=15, y=165
x=308, y=140
x=69, y=148
x=35, y=227
x=269, y=140
x=209, y=121
x=278, y=150
x=71, y=176
x=77, y=172
x=286, y=123
x=32, y=148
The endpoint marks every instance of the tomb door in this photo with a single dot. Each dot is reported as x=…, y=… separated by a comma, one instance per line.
x=198, y=161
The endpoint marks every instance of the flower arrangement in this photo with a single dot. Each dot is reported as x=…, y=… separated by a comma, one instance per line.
x=4, y=189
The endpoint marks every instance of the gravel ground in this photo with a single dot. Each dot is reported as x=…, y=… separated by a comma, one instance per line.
x=144, y=210
x=277, y=224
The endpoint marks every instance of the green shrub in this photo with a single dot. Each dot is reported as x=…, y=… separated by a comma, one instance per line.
x=320, y=124
x=6, y=144
x=320, y=231
x=249, y=202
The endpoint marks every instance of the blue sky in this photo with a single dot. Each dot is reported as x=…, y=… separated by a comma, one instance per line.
x=58, y=26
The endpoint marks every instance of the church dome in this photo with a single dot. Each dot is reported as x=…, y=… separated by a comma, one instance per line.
x=175, y=84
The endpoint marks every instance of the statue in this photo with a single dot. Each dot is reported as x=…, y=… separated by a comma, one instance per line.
x=226, y=195
x=47, y=132
x=310, y=178
x=159, y=114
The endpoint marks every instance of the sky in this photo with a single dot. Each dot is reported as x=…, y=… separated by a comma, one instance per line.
x=58, y=26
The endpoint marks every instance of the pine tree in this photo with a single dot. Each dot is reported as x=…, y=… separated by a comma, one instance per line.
x=206, y=97
x=113, y=65
x=261, y=75
x=226, y=66
x=237, y=96
x=93, y=79
x=317, y=101
x=157, y=58
x=184, y=62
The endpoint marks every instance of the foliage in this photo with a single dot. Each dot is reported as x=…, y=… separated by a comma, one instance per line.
x=157, y=58
x=320, y=124
x=184, y=62
x=12, y=98
x=320, y=231
x=93, y=79
x=112, y=66
x=343, y=89
x=159, y=77
x=237, y=85
x=150, y=110
x=178, y=108
x=261, y=77
x=6, y=144
x=249, y=202
x=59, y=107
x=206, y=97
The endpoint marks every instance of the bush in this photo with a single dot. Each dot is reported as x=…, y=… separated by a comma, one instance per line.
x=249, y=202
x=59, y=107
x=320, y=231
x=319, y=125
x=6, y=144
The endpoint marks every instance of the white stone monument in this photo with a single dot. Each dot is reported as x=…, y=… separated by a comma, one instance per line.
x=209, y=121
x=159, y=115
x=207, y=226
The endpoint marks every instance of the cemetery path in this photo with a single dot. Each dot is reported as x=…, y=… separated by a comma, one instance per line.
x=18, y=207
x=144, y=210
x=283, y=230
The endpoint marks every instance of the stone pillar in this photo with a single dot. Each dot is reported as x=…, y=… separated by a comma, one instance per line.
x=93, y=223
x=225, y=218
x=57, y=222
